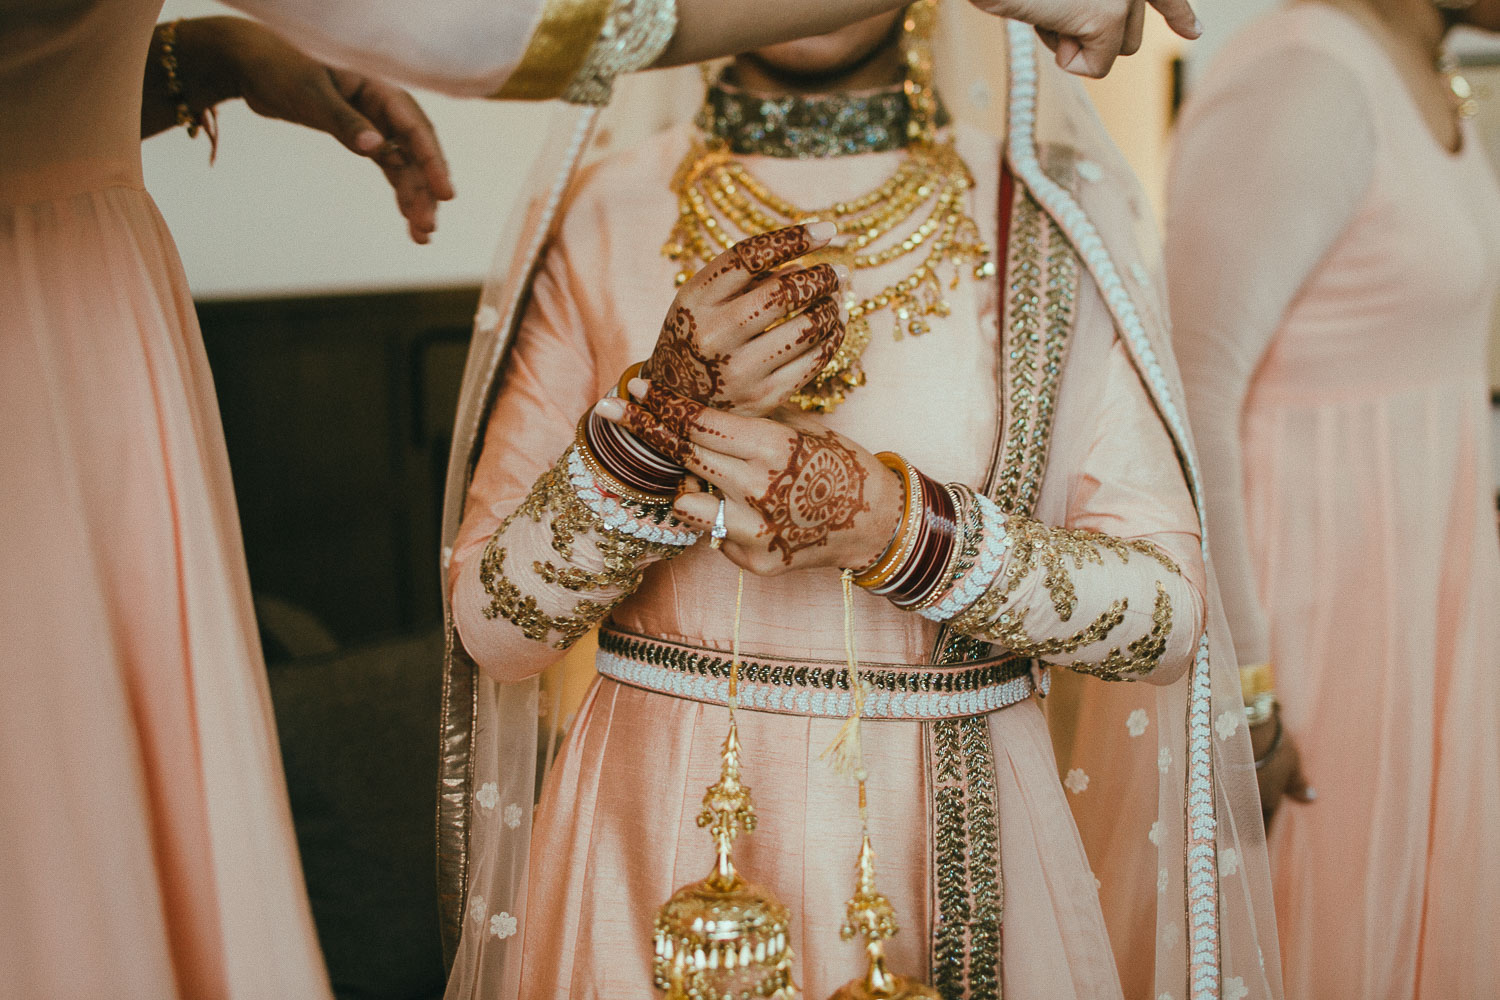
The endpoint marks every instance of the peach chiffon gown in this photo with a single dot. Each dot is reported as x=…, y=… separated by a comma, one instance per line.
x=146, y=845
x=1333, y=271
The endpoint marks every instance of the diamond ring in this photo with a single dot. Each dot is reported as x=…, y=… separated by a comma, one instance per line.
x=719, y=533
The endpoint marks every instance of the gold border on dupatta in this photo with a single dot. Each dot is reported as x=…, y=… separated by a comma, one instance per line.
x=1041, y=274
x=557, y=50
x=460, y=696
x=455, y=785
x=1138, y=327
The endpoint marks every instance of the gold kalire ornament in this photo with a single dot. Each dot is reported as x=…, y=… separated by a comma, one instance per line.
x=723, y=938
x=871, y=915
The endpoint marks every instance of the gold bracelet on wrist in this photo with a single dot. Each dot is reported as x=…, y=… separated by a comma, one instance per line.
x=880, y=572
x=1258, y=690
x=1256, y=679
x=175, y=93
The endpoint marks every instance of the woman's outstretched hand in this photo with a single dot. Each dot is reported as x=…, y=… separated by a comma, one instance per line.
x=224, y=57
x=796, y=495
x=1088, y=35
x=727, y=340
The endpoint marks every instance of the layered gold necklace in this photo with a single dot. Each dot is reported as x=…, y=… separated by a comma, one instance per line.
x=920, y=208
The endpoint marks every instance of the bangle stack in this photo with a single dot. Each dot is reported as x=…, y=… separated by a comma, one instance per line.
x=1258, y=688
x=629, y=485
x=641, y=472
x=918, y=559
x=981, y=556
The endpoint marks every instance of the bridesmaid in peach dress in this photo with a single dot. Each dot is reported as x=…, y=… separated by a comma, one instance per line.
x=146, y=847
x=1333, y=259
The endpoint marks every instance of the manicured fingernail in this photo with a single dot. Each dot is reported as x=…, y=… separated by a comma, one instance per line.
x=610, y=408
x=368, y=141
x=1197, y=25
x=638, y=387
x=842, y=272
x=821, y=230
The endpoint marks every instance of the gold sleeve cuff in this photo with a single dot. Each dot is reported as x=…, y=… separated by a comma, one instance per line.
x=557, y=50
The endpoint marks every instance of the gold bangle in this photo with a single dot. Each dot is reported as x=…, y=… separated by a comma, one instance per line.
x=896, y=552
x=1256, y=680
x=633, y=371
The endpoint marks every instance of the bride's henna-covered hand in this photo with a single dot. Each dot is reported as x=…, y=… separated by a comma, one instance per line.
x=797, y=495
x=727, y=340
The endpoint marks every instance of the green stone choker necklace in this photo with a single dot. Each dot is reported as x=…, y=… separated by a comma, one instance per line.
x=807, y=127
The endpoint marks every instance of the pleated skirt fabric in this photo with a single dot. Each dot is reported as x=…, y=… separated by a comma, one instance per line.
x=616, y=834
x=1373, y=518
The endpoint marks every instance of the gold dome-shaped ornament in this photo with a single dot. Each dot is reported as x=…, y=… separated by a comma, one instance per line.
x=871, y=916
x=724, y=938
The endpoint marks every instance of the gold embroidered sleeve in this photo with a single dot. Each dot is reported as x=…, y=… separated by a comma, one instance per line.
x=1108, y=606
x=554, y=569
x=580, y=46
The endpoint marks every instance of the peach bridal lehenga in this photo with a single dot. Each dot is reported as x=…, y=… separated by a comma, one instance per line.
x=559, y=903
x=146, y=846
x=1336, y=371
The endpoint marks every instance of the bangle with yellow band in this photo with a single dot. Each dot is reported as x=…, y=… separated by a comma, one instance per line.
x=1258, y=688
x=916, y=563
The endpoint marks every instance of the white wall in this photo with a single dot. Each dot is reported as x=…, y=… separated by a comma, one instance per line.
x=289, y=210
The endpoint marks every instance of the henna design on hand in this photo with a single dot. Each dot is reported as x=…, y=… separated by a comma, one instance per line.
x=820, y=490
x=679, y=364
x=767, y=250
x=670, y=419
x=792, y=290
x=824, y=322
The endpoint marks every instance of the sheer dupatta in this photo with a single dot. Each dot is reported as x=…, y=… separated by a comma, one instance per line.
x=1201, y=787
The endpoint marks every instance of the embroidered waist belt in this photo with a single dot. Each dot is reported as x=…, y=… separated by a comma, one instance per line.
x=819, y=687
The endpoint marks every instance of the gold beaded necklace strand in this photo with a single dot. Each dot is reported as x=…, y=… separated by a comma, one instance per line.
x=920, y=206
